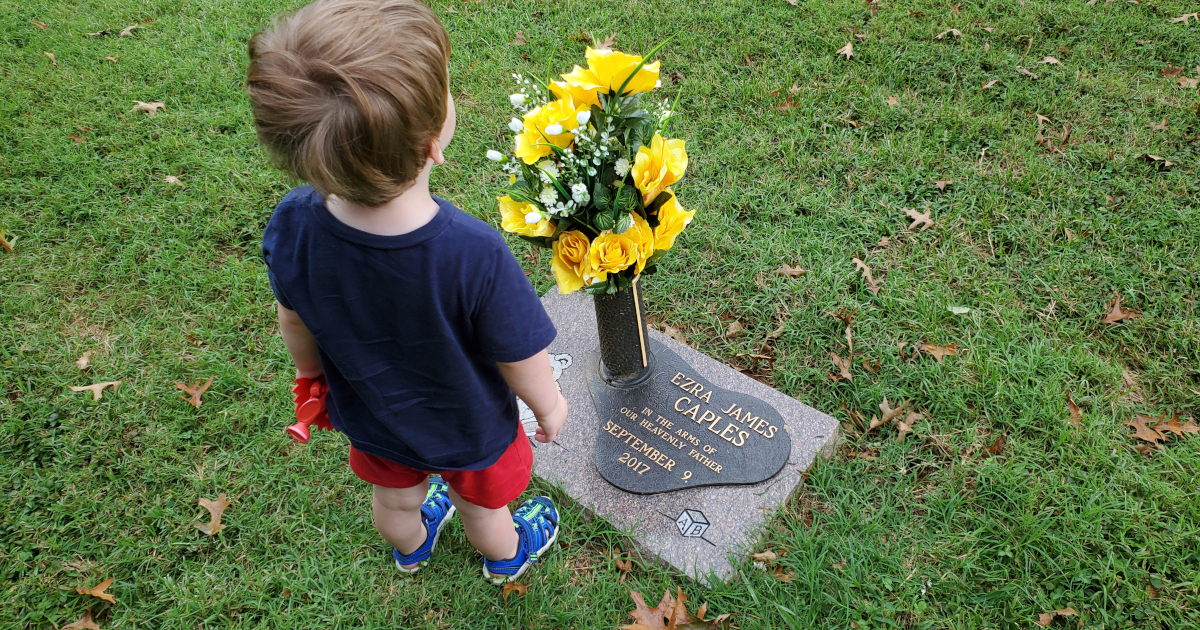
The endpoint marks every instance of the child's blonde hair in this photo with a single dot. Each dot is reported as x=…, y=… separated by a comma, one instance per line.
x=348, y=94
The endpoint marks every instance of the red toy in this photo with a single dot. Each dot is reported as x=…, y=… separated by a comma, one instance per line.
x=310, y=407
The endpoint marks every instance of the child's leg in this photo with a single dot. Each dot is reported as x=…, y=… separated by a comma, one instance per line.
x=490, y=531
x=397, y=513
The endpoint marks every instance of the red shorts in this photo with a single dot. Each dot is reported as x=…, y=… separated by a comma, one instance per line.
x=493, y=487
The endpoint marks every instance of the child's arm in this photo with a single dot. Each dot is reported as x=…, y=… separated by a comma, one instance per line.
x=533, y=381
x=300, y=343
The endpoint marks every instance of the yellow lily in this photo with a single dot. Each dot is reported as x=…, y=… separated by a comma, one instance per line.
x=608, y=69
x=512, y=218
x=532, y=145
x=671, y=220
x=657, y=166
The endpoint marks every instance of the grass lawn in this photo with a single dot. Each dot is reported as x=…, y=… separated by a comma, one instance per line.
x=164, y=282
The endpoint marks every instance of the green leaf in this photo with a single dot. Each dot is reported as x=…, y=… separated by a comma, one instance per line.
x=605, y=221
x=624, y=200
x=601, y=196
x=623, y=223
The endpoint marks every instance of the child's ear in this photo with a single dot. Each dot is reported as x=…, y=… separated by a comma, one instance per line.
x=435, y=151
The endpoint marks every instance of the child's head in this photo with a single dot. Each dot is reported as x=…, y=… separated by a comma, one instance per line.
x=353, y=95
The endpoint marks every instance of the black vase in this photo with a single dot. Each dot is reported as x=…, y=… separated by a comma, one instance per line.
x=625, y=355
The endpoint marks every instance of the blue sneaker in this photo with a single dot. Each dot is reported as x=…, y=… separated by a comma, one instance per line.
x=537, y=528
x=435, y=514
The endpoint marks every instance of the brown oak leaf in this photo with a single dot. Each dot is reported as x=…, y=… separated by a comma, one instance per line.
x=675, y=334
x=919, y=219
x=85, y=623
x=149, y=108
x=97, y=591
x=938, y=351
x=1142, y=429
x=1172, y=71
x=668, y=615
x=517, y=587
x=788, y=270
x=889, y=414
x=872, y=282
x=608, y=42
x=1162, y=126
x=128, y=30
x=847, y=50
x=904, y=427
x=97, y=389
x=1028, y=73
x=941, y=184
x=7, y=244
x=41, y=25
x=1159, y=160
x=1116, y=313
x=1181, y=19
x=84, y=360
x=950, y=31
x=847, y=318
x=1174, y=426
x=215, y=510
x=519, y=40
x=1047, y=618
x=766, y=556
x=843, y=366
x=989, y=84
x=52, y=59
x=1076, y=412
x=195, y=389
x=893, y=101
x=1050, y=60
x=735, y=328
x=997, y=447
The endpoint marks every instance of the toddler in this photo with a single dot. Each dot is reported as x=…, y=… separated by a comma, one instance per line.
x=415, y=313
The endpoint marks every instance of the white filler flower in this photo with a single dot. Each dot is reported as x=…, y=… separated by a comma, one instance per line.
x=621, y=167
x=579, y=193
x=583, y=117
x=517, y=99
x=532, y=218
x=495, y=156
x=516, y=125
x=549, y=196
x=554, y=130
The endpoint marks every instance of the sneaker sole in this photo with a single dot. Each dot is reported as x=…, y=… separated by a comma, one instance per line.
x=436, y=536
x=500, y=580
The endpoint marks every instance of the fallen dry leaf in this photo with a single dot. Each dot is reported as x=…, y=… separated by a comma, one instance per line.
x=41, y=25
x=675, y=334
x=98, y=591
x=6, y=244
x=519, y=40
x=988, y=28
x=1041, y=120
x=1154, y=159
x=883, y=242
x=128, y=30
x=1050, y=60
x=1046, y=618
x=872, y=283
x=150, y=108
x=847, y=318
x=675, y=77
x=1025, y=72
x=843, y=366
x=941, y=184
x=997, y=447
x=510, y=587
x=668, y=615
x=787, y=105
x=97, y=34
x=777, y=333
x=938, y=351
x=112, y=59
x=1076, y=412
x=837, y=566
x=735, y=328
x=52, y=59
x=923, y=220
x=171, y=179
x=847, y=50
x=1183, y=18
x=215, y=510
x=788, y=270
x=1174, y=426
x=84, y=360
x=783, y=576
x=905, y=426
x=989, y=84
x=608, y=42
x=1186, y=83
x=195, y=389
x=623, y=565
x=1162, y=126
x=954, y=8
x=1116, y=313
x=889, y=414
x=1142, y=429
x=950, y=31
x=85, y=623
x=766, y=556
x=97, y=389
x=1172, y=71
x=892, y=101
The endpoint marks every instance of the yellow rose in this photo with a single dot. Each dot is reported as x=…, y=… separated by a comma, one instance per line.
x=531, y=144
x=512, y=218
x=579, y=96
x=569, y=260
x=643, y=236
x=671, y=221
x=657, y=166
x=608, y=69
x=610, y=253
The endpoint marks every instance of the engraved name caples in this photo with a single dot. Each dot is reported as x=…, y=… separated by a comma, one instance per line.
x=725, y=429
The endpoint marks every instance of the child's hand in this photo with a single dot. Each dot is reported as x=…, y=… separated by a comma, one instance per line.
x=552, y=423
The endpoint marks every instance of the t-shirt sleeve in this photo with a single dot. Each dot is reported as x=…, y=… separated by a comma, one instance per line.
x=510, y=322
x=283, y=301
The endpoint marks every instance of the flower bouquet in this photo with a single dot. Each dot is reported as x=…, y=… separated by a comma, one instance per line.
x=590, y=173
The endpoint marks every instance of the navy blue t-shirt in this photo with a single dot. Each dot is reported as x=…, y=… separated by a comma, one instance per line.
x=410, y=328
